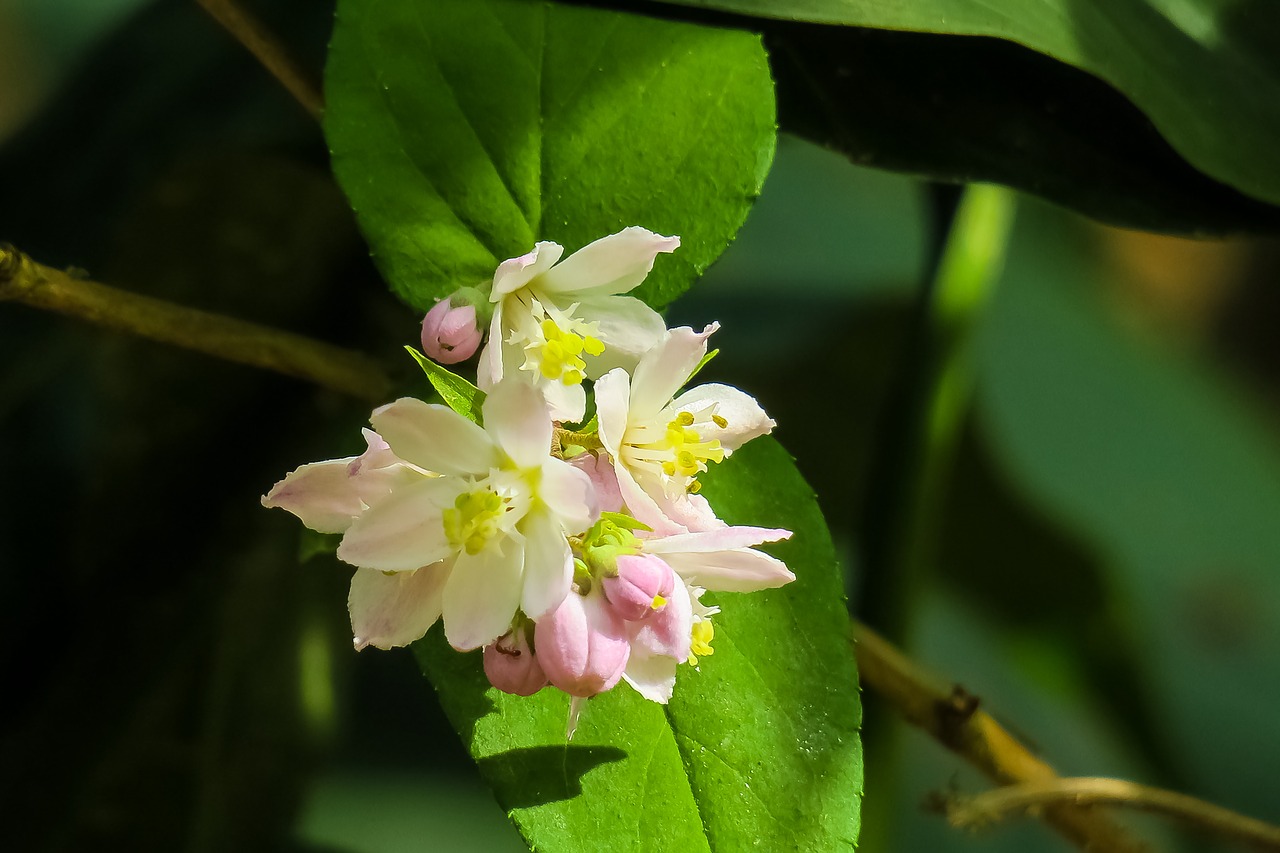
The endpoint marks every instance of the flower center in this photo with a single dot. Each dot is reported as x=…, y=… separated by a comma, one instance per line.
x=560, y=354
x=680, y=448
x=474, y=520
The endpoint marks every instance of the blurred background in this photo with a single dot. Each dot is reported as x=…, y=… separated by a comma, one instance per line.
x=1106, y=577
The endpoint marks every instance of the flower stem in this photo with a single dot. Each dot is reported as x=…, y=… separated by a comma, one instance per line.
x=24, y=280
x=268, y=50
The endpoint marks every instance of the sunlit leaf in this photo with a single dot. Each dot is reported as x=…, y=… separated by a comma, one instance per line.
x=464, y=130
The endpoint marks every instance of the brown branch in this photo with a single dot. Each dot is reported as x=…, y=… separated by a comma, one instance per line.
x=24, y=280
x=268, y=50
x=993, y=806
x=952, y=717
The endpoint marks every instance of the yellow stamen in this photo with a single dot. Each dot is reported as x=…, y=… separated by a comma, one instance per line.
x=473, y=520
x=658, y=602
x=700, y=644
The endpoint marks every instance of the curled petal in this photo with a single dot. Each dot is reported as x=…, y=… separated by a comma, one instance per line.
x=652, y=676
x=516, y=273
x=395, y=609
x=435, y=437
x=666, y=367
x=483, y=593
x=739, y=570
x=720, y=539
x=744, y=417
x=613, y=264
x=321, y=494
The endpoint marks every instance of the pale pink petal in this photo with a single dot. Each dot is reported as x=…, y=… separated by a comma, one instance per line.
x=483, y=593
x=582, y=646
x=548, y=563
x=613, y=264
x=652, y=676
x=691, y=512
x=489, y=370
x=665, y=368
x=745, y=418
x=669, y=631
x=642, y=507
x=435, y=437
x=613, y=401
x=627, y=327
x=515, y=414
x=321, y=494
x=516, y=273
x=721, y=539
x=604, y=482
x=395, y=609
x=404, y=531
x=567, y=493
x=739, y=570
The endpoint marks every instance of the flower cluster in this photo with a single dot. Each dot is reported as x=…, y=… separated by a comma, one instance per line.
x=575, y=556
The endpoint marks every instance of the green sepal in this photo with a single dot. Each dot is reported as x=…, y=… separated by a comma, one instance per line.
x=458, y=394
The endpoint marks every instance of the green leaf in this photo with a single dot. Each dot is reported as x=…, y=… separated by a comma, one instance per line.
x=1204, y=71
x=463, y=131
x=759, y=747
x=458, y=393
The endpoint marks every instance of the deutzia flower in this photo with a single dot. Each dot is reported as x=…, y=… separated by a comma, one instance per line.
x=659, y=445
x=555, y=324
x=478, y=533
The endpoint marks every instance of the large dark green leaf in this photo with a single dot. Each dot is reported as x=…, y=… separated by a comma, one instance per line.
x=1205, y=71
x=464, y=130
x=1172, y=481
x=759, y=747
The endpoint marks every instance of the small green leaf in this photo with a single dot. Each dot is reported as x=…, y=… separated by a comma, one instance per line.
x=459, y=394
x=759, y=747
x=463, y=131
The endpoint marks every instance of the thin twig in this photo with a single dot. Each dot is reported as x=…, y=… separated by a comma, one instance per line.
x=996, y=805
x=24, y=280
x=951, y=716
x=268, y=50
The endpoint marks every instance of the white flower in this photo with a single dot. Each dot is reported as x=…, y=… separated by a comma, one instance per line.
x=555, y=324
x=475, y=529
x=659, y=445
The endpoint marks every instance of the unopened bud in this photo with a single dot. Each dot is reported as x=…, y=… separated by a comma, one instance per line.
x=641, y=587
x=582, y=645
x=450, y=334
x=512, y=666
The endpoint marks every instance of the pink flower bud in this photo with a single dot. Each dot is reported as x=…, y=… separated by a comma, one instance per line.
x=511, y=665
x=582, y=645
x=450, y=334
x=641, y=588
x=668, y=632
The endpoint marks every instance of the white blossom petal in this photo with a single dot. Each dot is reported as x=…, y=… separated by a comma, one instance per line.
x=739, y=570
x=321, y=494
x=548, y=564
x=516, y=415
x=489, y=369
x=567, y=492
x=627, y=327
x=666, y=367
x=482, y=594
x=613, y=264
x=404, y=531
x=613, y=403
x=435, y=437
x=395, y=609
x=568, y=403
x=746, y=419
x=721, y=539
x=516, y=273
x=644, y=508
x=652, y=676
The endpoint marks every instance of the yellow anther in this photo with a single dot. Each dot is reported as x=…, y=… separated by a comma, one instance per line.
x=684, y=419
x=559, y=357
x=700, y=641
x=694, y=487
x=658, y=602
x=473, y=520
x=719, y=421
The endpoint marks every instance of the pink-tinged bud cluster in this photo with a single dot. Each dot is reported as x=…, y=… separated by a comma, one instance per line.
x=511, y=665
x=450, y=334
x=642, y=586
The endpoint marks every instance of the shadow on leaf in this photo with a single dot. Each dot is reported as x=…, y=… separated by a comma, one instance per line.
x=530, y=773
